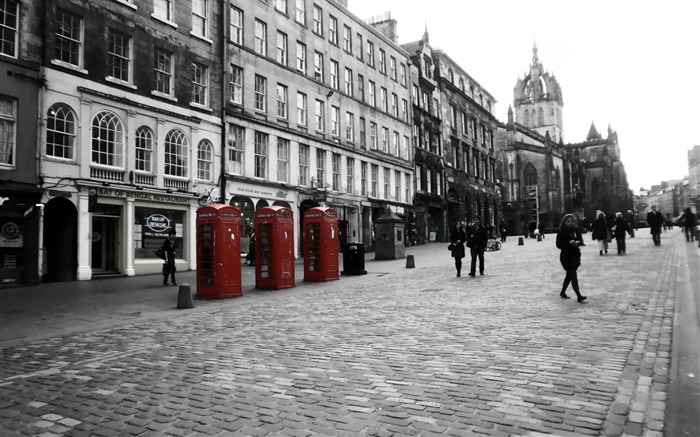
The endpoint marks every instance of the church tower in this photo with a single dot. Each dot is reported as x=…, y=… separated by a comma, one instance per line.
x=538, y=101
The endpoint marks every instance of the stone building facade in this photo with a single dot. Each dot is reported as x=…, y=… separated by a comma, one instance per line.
x=469, y=136
x=427, y=139
x=316, y=109
x=20, y=195
x=130, y=118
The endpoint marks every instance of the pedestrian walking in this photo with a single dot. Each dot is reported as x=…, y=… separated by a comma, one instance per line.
x=457, y=240
x=540, y=227
x=600, y=233
x=631, y=222
x=621, y=229
x=689, y=222
x=250, y=257
x=656, y=222
x=477, y=238
x=169, y=265
x=504, y=231
x=569, y=240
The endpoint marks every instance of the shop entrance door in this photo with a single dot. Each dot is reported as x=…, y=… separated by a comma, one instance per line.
x=104, y=245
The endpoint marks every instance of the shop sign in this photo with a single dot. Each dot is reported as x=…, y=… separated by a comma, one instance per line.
x=10, y=235
x=157, y=223
x=258, y=191
x=136, y=195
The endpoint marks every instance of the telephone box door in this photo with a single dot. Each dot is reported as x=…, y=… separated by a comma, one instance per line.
x=274, y=248
x=218, y=252
x=321, y=244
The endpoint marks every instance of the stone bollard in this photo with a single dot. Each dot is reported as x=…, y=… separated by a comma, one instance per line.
x=521, y=242
x=184, y=297
x=410, y=263
x=539, y=237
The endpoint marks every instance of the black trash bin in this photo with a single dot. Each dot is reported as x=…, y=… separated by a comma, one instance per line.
x=354, y=259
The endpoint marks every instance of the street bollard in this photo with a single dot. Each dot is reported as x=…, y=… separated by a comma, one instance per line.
x=539, y=237
x=184, y=297
x=410, y=263
x=520, y=241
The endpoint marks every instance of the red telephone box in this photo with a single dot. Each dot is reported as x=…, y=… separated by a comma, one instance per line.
x=320, y=244
x=218, y=252
x=274, y=248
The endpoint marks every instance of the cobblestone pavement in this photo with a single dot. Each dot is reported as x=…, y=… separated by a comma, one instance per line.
x=417, y=352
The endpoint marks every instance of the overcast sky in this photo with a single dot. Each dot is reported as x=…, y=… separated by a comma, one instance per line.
x=630, y=64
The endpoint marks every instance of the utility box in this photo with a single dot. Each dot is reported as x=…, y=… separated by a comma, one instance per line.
x=274, y=248
x=389, y=231
x=218, y=252
x=320, y=244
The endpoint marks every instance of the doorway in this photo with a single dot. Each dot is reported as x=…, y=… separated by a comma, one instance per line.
x=104, y=245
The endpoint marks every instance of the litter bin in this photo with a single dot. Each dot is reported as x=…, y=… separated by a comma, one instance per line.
x=354, y=259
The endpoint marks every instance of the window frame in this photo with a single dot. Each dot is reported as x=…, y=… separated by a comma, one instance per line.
x=235, y=87
x=6, y=29
x=8, y=136
x=143, y=149
x=68, y=121
x=200, y=84
x=283, y=146
x=260, y=93
x=121, y=57
x=235, y=144
x=202, y=17
x=175, y=162
x=236, y=29
x=75, y=46
x=205, y=160
x=260, y=37
x=260, y=152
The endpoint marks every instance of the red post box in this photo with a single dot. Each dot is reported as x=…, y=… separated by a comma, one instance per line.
x=218, y=252
x=320, y=244
x=274, y=248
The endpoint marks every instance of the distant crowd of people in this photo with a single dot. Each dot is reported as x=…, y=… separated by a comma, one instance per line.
x=604, y=229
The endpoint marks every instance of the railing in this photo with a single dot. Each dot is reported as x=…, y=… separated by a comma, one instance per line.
x=144, y=179
x=176, y=184
x=107, y=174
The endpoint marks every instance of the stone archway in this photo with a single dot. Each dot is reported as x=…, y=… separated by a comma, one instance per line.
x=60, y=240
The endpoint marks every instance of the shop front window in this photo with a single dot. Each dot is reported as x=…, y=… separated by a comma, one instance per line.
x=151, y=227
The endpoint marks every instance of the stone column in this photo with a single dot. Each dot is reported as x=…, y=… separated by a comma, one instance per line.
x=84, y=238
x=129, y=237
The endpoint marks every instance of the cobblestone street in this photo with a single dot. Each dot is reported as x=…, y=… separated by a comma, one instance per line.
x=411, y=352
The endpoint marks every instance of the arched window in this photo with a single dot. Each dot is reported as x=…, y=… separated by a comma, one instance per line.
x=451, y=76
x=540, y=117
x=204, y=160
x=60, y=131
x=530, y=175
x=144, y=149
x=176, y=151
x=526, y=121
x=532, y=119
x=107, y=139
x=461, y=84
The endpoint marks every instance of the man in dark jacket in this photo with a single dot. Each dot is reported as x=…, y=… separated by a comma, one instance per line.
x=689, y=222
x=656, y=222
x=477, y=238
x=621, y=229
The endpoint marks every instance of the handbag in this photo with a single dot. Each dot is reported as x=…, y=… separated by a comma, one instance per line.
x=166, y=269
x=160, y=253
x=450, y=247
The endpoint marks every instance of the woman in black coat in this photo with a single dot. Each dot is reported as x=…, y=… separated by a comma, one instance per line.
x=569, y=240
x=600, y=233
x=458, y=238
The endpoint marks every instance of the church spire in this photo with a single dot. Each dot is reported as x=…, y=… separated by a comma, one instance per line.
x=425, y=34
x=593, y=133
x=535, y=58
